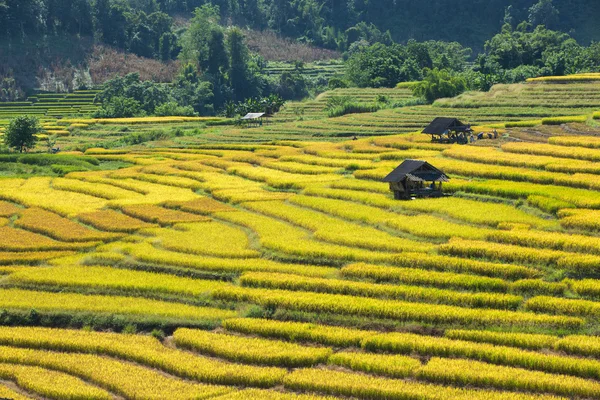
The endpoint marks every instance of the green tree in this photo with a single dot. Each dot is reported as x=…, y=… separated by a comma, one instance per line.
x=21, y=132
x=195, y=41
x=238, y=66
x=543, y=13
x=438, y=84
x=218, y=61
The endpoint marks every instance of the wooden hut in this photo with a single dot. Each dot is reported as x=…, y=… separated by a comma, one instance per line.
x=448, y=130
x=414, y=178
x=254, y=119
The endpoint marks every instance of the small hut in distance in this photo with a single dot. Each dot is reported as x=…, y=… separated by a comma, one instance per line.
x=448, y=130
x=414, y=178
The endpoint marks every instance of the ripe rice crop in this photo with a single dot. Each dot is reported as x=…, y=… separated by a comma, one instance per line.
x=409, y=343
x=8, y=209
x=236, y=196
x=12, y=239
x=420, y=225
x=591, y=142
x=127, y=379
x=281, y=179
x=467, y=210
x=357, y=184
x=100, y=190
x=113, y=221
x=538, y=286
x=51, y=384
x=283, y=237
x=466, y=372
x=489, y=155
x=9, y=393
x=270, y=395
x=504, y=252
x=298, y=168
x=394, y=366
x=4, y=221
x=521, y=340
x=57, y=227
x=156, y=214
x=335, y=230
x=369, y=387
x=142, y=120
x=420, y=277
x=299, y=331
x=580, y=219
x=579, y=197
x=579, y=344
x=548, y=204
x=146, y=253
x=585, y=287
x=564, y=120
x=523, y=124
x=580, y=265
x=579, y=153
x=396, y=310
x=201, y=205
x=563, y=306
x=38, y=192
x=7, y=258
x=145, y=350
x=251, y=350
x=213, y=238
x=400, y=292
x=114, y=278
x=72, y=302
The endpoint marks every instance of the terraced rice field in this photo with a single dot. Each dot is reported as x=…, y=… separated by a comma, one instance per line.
x=285, y=270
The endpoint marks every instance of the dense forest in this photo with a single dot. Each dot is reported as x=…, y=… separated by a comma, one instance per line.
x=140, y=24
x=467, y=44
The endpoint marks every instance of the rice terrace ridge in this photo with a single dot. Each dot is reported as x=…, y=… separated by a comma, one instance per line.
x=299, y=200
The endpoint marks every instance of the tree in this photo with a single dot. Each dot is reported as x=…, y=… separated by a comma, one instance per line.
x=438, y=84
x=217, y=55
x=21, y=132
x=543, y=13
x=238, y=66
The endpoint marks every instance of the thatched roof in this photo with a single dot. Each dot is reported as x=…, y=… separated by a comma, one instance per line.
x=441, y=124
x=416, y=170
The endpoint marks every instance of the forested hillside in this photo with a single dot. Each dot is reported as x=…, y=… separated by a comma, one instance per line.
x=330, y=23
